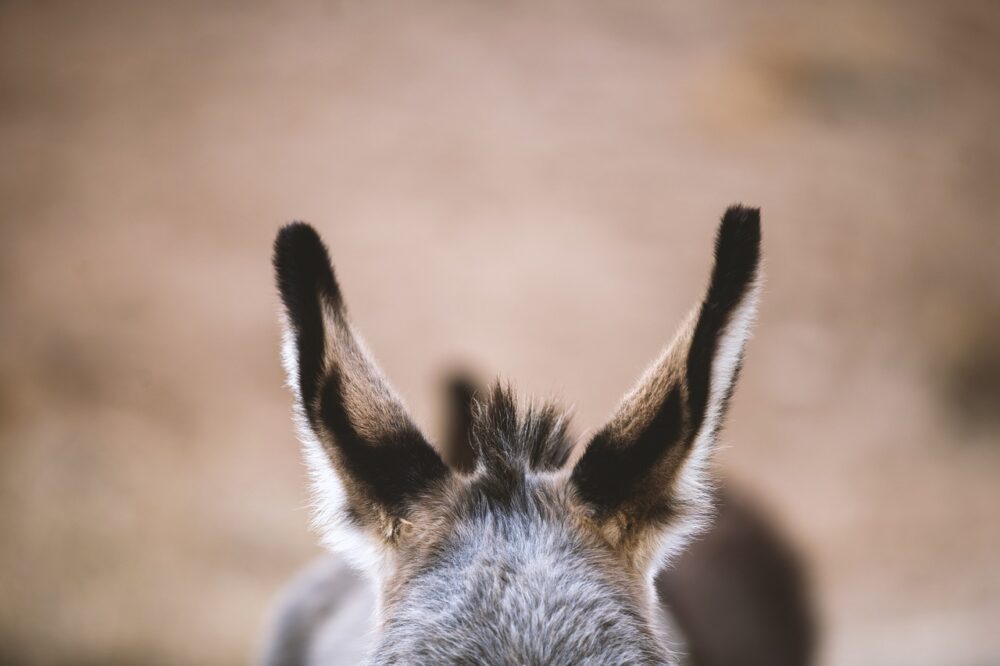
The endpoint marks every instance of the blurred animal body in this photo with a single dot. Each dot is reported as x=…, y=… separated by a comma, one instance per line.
x=518, y=552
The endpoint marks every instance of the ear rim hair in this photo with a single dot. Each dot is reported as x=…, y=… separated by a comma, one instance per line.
x=306, y=284
x=368, y=461
x=646, y=466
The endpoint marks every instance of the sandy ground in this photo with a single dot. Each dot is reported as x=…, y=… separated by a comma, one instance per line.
x=525, y=189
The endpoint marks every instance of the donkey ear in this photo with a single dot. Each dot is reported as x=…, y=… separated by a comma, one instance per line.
x=369, y=462
x=643, y=474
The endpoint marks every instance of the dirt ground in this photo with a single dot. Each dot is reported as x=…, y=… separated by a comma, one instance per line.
x=525, y=189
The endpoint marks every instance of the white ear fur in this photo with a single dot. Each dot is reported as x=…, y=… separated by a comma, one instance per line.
x=693, y=486
x=328, y=497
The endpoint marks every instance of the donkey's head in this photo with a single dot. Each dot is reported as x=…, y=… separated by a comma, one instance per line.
x=525, y=559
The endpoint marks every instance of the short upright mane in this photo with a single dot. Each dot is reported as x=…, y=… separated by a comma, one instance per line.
x=511, y=438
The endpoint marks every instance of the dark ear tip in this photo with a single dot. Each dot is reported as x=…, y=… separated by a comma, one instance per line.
x=296, y=239
x=296, y=228
x=741, y=219
x=302, y=263
x=739, y=235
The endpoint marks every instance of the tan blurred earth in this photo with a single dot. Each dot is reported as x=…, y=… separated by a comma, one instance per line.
x=524, y=189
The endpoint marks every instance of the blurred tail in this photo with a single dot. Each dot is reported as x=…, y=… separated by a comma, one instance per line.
x=461, y=391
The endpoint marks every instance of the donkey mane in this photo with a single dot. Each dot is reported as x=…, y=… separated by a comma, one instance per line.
x=509, y=438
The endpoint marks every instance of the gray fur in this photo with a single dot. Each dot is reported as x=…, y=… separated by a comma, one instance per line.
x=513, y=580
x=519, y=586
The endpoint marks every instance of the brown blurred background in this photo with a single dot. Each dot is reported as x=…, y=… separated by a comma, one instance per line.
x=518, y=188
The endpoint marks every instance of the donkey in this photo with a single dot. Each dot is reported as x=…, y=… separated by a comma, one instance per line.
x=538, y=554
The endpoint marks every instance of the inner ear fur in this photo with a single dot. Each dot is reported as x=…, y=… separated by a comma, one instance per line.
x=646, y=466
x=349, y=415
